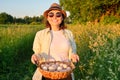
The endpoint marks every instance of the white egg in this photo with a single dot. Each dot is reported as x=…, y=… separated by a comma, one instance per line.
x=47, y=65
x=57, y=64
x=59, y=68
x=42, y=65
x=61, y=64
x=54, y=66
x=65, y=66
x=51, y=68
x=63, y=70
x=68, y=68
x=44, y=68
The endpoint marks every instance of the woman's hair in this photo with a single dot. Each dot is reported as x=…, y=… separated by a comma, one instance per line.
x=62, y=25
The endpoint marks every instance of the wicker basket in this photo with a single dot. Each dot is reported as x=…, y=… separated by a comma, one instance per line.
x=56, y=74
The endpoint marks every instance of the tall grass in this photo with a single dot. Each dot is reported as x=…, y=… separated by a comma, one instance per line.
x=99, y=49
x=15, y=51
x=97, y=45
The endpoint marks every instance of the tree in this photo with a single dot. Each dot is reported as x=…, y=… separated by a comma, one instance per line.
x=37, y=19
x=5, y=18
x=27, y=19
x=19, y=21
x=91, y=10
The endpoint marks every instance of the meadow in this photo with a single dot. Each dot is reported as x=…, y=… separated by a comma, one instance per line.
x=98, y=46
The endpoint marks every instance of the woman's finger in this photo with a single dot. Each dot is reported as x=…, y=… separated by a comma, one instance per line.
x=34, y=59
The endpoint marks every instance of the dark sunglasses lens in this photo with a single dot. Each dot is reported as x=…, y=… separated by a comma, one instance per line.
x=58, y=14
x=51, y=14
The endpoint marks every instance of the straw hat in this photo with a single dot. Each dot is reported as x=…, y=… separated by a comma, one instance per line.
x=55, y=6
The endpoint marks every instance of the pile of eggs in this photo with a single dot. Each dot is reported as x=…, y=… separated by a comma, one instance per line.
x=55, y=67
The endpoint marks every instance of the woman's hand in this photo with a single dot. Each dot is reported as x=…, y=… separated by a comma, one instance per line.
x=34, y=59
x=74, y=57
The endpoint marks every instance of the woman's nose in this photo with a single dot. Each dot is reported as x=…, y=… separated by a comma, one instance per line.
x=54, y=17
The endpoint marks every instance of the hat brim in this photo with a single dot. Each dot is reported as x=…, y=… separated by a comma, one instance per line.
x=45, y=14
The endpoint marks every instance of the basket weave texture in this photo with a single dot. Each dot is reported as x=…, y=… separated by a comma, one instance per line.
x=55, y=74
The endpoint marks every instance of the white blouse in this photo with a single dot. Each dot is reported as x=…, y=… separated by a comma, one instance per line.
x=59, y=47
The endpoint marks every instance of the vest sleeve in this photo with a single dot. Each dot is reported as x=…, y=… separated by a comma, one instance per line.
x=72, y=41
x=37, y=44
x=73, y=44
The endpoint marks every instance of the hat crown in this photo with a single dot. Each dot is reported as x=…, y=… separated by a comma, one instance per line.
x=55, y=5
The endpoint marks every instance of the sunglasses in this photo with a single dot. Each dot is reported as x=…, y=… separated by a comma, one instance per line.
x=58, y=14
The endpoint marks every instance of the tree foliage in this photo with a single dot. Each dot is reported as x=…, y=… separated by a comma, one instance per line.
x=91, y=10
x=8, y=19
x=5, y=18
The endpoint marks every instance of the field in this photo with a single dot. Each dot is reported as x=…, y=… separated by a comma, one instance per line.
x=97, y=45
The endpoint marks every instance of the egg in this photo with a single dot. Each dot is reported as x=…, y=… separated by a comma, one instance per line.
x=61, y=64
x=63, y=70
x=57, y=64
x=42, y=65
x=68, y=68
x=54, y=66
x=59, y=68
x=47, y=65
x=44, y=68
x=51, y=68
x=64, y=65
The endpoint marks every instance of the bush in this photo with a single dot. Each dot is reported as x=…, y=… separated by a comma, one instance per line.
x=99, y=50
x=111, y=19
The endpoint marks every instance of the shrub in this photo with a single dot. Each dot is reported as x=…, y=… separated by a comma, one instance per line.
x=99, y=50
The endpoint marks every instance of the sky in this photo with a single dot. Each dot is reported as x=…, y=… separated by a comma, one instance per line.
x=22, y=8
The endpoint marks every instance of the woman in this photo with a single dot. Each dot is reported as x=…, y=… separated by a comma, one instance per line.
x=55, y=42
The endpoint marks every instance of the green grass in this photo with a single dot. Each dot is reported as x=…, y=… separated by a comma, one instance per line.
x=97, y=45
x=16, y=50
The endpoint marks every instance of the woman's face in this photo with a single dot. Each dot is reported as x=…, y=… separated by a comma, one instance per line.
x=54, y=18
